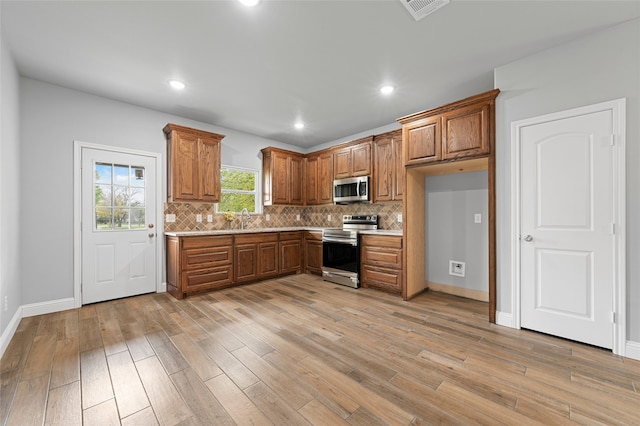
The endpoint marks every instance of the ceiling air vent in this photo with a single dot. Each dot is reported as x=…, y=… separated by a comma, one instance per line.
x=421, y=8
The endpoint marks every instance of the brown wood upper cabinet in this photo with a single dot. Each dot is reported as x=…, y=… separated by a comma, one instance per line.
x=193, y=164
x=462, y=129
x=282, y=177
x=319, y=176
x=388, y=176
x=353, y=160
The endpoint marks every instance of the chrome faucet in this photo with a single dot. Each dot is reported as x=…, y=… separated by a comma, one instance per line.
x=242, y=217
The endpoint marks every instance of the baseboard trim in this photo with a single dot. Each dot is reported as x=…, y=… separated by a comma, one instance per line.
x=41, y=308
x=504, y=319
x=10, y=330
x=162, y=288
x=480, y=295
x=632, y=350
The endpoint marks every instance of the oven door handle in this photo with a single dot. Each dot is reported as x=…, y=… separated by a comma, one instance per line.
x=339, y=241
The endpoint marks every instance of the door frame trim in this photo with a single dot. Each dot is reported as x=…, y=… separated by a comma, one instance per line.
x=78, y=146
x=618, y=111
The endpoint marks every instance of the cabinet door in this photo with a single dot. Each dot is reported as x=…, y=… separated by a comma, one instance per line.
x=399, y=168
x=267, y=259
x=245, y=262
x=384, y=169
x=185, y=167
x=325, y=178
x=342, y=163
x=465, y=132
x=279, y=180
x=361, y=159
x=290, y=252
x=313, y=257
x=422, y=141
x=312, y=175
x=296, y=180
x=210, y=170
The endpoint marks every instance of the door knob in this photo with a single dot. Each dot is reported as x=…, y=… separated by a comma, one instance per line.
x=528, y=238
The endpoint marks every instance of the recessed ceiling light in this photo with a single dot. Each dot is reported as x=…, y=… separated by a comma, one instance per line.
x=249, y=3
x=385, y=90
x=176, y=84
x=299, y=125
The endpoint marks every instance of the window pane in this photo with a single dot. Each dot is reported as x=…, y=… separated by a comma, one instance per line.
x=136, y=199
x=238, y=179
x=103, y=195
x=234, y=202
x=120, y=218
x=103, y=218
x=120, y=175
x=137, y=219
x=120, y=196
x=137, y=176
x=103, y=173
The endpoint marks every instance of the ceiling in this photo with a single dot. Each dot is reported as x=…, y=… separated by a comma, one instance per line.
x=258, y=70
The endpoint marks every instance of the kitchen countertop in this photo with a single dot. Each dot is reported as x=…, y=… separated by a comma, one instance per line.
x=258, y=230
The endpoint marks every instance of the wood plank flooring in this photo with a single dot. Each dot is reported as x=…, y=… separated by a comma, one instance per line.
x=301, y=351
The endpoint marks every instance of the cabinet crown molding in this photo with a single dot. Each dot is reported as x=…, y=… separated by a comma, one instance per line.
x=195, y=132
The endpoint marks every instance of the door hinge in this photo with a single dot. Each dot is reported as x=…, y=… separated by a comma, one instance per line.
x=612, y=141
x=613, y=317
x=613, y=229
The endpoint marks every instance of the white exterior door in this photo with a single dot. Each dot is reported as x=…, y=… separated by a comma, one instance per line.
x=118, y=229
x=567, y=225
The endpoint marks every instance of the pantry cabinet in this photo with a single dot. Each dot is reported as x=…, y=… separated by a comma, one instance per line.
x=381, y=263
x=388, y=180
x=282, y=177
x=353, y=160
x=193, y=164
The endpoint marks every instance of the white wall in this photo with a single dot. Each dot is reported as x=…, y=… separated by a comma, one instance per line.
x=450, y=204
x=52, y=117
x=597, y=68
x=9, y=189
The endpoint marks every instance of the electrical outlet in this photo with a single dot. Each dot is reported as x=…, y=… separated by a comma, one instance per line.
x=209, y=218
x=297, y=217
x=267, y=217
x=399, y=217
x=198, y=218
x=477, y=218
x=170, y=218
x=456, y=268
x=329, y=217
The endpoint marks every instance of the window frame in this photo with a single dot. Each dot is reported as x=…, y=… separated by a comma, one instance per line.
x=257, y=191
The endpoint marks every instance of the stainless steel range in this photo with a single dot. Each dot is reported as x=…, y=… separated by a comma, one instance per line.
x=341, y=250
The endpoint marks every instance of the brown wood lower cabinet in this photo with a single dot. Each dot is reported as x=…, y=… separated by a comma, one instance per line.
x=202, y=263
x=313, y=252
x=381, y=263
x=290, y=252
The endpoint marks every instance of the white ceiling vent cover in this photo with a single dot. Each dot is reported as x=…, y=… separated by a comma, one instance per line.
x=421, y=8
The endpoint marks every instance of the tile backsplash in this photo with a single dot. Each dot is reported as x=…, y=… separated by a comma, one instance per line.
x=279, y=216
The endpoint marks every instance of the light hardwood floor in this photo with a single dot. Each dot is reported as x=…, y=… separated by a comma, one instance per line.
x=299, y=350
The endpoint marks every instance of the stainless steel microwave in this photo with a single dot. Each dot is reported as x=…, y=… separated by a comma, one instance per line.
x=351, y=190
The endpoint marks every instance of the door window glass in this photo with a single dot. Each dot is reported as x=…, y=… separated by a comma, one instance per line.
x=119, y=197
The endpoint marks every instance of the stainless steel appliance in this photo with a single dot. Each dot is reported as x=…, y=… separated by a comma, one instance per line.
x=341, y=249
x=351, y=190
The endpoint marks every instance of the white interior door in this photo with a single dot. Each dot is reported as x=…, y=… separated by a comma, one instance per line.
x=567, y=224
x=118, y=225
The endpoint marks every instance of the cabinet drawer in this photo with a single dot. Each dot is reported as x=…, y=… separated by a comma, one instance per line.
x=390, y=258
x=389, y=241
x=206, y=257
x=389, y=280
x=202, y=242
x=291, y=235
x=207, y=278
